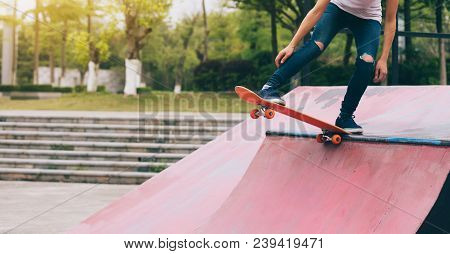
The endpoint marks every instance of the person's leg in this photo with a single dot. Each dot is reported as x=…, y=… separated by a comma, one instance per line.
x=367, y=36
x=324, y=31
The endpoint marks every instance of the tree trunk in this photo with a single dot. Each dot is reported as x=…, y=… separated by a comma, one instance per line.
x=15, y=45
x=408, y=40
x=92, y=77
x=94, y=57
x=132, y=70
x=443, y=67
x=132, y=76
x=36, y=44
x=83, y=76
x=348, y=49
x=273, y=23
x=63, y=54
x=179, y=72
x=443, y=63
x=132, y=63
x=178, y=83
x=205, y=27
x=133, y=66
x=89, y=31
x=133, y=52
x=8, y=46
x=52, y=66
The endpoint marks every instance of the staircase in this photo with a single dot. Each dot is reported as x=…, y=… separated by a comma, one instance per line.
x=100, y=147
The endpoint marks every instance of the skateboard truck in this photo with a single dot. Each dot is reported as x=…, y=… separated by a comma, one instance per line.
x=327, y=136
x=262, y=111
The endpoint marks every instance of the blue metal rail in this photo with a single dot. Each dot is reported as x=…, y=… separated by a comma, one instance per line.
x=372, y=139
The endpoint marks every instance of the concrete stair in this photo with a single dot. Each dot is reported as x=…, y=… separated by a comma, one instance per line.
x=90, y=155
x=84, y=165
x=109, y=118
x=100, y=147
x=53, y=175
x=102, y=137
x=113, y=128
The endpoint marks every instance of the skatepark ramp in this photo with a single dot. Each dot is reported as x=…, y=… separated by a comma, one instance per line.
x=394, y=179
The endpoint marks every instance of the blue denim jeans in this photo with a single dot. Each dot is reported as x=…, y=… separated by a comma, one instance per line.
x=367, y=37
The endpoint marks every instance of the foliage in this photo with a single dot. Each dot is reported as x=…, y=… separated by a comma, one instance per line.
x=80, y=89
x=147, y=12
x=144, y=90
x=83, y=89
x=225, y=42
x=101, y=89
x=421, y=69
x=253, y=31
x=140, y=16
x=25, y=57
x=239, y=43
x=35, y=88
x=216, y=75
x=289, y=13
x=79, y=53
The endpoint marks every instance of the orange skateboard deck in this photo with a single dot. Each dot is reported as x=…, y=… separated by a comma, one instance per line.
x=330, y=133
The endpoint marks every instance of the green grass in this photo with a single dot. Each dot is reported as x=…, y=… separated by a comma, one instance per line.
x=156, y=101
x=62, y=147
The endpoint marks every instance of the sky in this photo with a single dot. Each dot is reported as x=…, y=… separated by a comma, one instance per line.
x=179, y=10
x=183, y=8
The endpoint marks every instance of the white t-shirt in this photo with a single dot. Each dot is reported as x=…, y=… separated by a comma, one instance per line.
x=365, y=9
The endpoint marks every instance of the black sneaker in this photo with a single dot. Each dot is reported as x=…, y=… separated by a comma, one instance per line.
x=270, y=94
x=346, y=122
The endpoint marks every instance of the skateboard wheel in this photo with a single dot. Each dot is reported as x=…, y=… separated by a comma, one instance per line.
x=336, y=139
x=319, y=139
x=269, y=113
x=254, y=114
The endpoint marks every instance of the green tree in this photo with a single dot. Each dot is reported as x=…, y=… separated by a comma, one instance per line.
x=50, y=37
x=170, y=55
x=63, y=16
x=289, y=13
x=432, y=13
x=98, y=34
x=206, y=31
x=185, y=31
x=271, y=8
x=36, y=49
x=224, y=39
x=141, y=16
x=79, y=53
x=254, y=32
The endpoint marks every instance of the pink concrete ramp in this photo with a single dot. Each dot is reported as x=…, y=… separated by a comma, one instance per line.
x=245, y=182
x=355, y=188
x=186, y=194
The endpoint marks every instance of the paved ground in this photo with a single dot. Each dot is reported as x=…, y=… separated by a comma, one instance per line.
x=41, y=207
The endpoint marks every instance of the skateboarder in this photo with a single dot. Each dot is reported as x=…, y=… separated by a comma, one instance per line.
x=363, y=18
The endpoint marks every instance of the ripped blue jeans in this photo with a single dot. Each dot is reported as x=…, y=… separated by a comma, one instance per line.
x=367, y=37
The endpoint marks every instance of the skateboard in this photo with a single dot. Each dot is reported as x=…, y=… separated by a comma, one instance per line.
x=267, y=109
